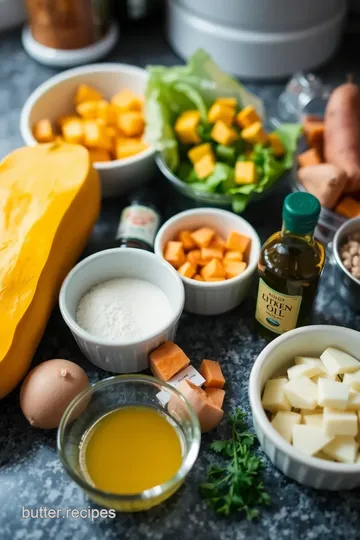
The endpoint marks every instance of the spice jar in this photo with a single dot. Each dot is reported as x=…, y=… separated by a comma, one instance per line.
x=68, y=24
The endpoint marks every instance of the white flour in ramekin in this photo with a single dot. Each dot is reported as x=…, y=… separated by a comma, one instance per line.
x=123, y=309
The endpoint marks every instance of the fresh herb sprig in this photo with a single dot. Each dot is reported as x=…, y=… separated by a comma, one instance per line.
x=236, y=486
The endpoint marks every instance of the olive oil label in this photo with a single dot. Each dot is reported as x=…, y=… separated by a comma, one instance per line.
x=276, y=311
x=139, y=222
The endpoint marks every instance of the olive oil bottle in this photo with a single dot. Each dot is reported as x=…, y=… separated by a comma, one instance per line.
x=290, y=265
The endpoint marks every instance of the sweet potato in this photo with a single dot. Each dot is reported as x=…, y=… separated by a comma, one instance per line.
x=342, y=133
x=325, y=181
x=314, y=133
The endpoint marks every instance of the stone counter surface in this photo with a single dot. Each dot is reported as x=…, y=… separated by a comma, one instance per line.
x=31, y=475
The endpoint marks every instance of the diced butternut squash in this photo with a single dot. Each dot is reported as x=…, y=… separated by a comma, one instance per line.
x=73, y=131
x=220, y=111
x=127, y=100
x=186, y=127
x=205, y=166
x=131, y=123
x=245, y=172
x=234, y=268
x=62, y=120
x=194, y=256
x=229, y=101
x=198, y=277
x=127, y=147
x=309, y=157
x=217, y=243
x=238, y=242
x=247, y=116
x=43, y=131
x=348, y=207
x=95, y=135
x=211, y=253
x=211, y=371
x=187, y=240
x=214, y=269
x=203, y=236
x=223, y=134
x=187, y=269
x=99, y=154
x=216, y=395
x=198, y=152
x=86, y=93
x=167, y=360
x=276, y=144
x=88, y=109
x=174, y=254
x=254, y=134
x=232, y=255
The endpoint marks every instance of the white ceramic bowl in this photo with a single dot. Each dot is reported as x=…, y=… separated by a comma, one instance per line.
x=216, y=297
x=275, y=359
x=122, y=357
x=54, y=98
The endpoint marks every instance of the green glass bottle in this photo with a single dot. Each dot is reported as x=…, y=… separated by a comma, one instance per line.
x=290, y=264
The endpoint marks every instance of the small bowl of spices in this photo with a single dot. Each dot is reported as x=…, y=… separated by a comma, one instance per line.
x=346, y=260
x=120, y=304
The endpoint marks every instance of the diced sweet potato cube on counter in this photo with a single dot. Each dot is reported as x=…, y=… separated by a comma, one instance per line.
x=211, y=371
x=167, y=360
x=234, y=268
x=238, y=242
x=325, y=181
x=86, y=93
x=216, y=395
x=174, y=254
x=214, y=269
x=187, y=269
x=309, y=157
x=43, y=131
x=211, y=253
x=203, y=236
x=233, y=255
x=348, y=207
x=99, y=154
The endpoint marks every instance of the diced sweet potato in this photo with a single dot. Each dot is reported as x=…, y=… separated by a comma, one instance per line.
x=187, y=270
x=187, y=240
x=174, y=254
x=131, y=123
x=95, y=135
x=309, y=157
x=217, y=243
x=99, y=154
x=86, y=93
x=348, y=207
x=211, y=371
x=194, y=256
x=88, y=109
x=203, y=236
x=211, y=253
x=43, y=131
x=167, y=360
x=127, y=100
x=325, y=181
x=234, y=268
x=127, y=147
x=216, y=395
x=205, y=166
x=314, y=133
x=233, y=255
x=238, y=242
x=73, y=131
x=214, y=269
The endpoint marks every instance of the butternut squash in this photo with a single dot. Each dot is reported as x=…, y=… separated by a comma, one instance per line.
x=49, y=202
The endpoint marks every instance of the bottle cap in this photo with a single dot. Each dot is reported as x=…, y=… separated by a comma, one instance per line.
x=301, y=213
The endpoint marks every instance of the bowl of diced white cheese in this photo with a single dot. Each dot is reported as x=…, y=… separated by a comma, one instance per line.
x=304, y=392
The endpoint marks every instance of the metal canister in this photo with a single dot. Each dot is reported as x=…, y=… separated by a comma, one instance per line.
x=346, y=284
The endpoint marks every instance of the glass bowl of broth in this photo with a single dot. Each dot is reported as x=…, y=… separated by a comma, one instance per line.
x=122, y=444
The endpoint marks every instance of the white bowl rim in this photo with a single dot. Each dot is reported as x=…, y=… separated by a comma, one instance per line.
x=86, y=336
x=219, y=212
x=262, y=419
x=25, y=128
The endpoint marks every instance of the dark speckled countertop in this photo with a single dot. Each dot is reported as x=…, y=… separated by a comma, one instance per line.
x=31, y=475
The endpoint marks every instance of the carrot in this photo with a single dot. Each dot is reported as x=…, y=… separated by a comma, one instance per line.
x=342, y=132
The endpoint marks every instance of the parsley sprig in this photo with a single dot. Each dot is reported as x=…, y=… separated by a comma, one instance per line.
x=237, y=486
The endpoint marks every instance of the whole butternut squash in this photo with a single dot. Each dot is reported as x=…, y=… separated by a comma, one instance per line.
x=49, y=203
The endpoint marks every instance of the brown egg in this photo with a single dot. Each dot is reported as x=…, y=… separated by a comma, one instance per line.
x=48, y=389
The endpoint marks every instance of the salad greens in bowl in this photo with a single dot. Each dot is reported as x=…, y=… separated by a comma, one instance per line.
x=210, y=136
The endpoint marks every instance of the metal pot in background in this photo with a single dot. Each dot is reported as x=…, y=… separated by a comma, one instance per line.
x=347, y=285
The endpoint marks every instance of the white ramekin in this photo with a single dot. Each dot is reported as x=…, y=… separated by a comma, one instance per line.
x=217, y=297
x=274, y=359
x=132, y=356
x=54, y=98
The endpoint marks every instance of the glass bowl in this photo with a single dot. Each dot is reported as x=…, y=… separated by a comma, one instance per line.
x=109, y=395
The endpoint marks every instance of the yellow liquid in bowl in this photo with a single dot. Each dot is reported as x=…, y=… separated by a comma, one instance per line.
x=129, y=450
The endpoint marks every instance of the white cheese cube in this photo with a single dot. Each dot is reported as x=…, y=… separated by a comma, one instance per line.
x=303, y=370
x=274, y=398
x=343, y=448
x=353, y=380
x=302, y=393
x=340, y=422
x=284, y=422
x=325, y=375
x=317, y=410
x=310, y=439
x=305, y=360
x=313, y=420
x=354, y=401
x=337, y=362
x=332, y=394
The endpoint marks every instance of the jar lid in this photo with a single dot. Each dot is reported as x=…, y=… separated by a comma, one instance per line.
x=301, y=212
